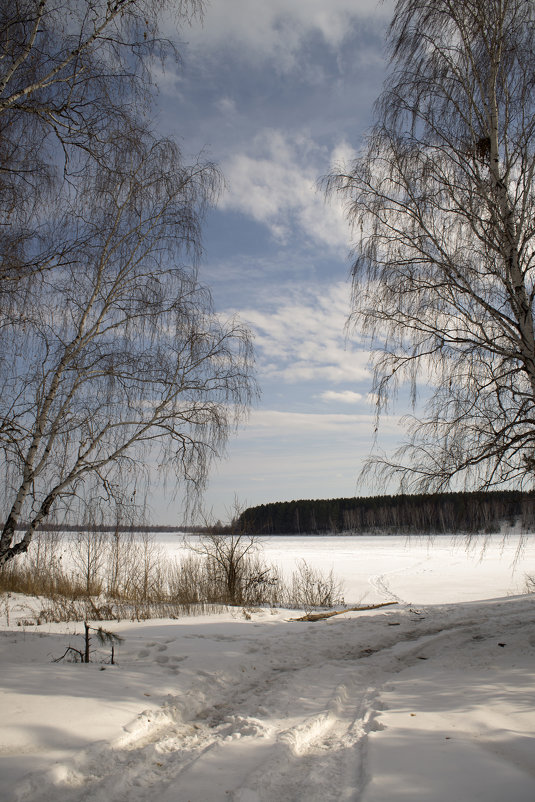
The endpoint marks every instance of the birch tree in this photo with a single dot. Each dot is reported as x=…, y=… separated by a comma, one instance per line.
x=115, y=356
x=113, y=363
x=442, y=200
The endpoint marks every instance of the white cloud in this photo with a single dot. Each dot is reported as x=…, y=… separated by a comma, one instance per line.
x=226, y=105
x=278, y=423
x=275, y=183
x=342, y=156
x=344, y=396
x=300, y=337
x=278, y=29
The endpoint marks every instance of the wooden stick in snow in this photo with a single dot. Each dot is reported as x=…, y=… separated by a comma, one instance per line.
x=321, y=616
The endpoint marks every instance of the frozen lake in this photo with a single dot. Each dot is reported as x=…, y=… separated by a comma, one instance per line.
x=419, y=570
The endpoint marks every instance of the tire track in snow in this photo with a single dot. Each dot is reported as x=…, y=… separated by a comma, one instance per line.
x=163, y=753
x=322, y=759
x=294, y=728
x=332, y=748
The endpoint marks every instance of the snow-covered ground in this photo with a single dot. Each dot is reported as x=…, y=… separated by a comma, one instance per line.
x=431, y=699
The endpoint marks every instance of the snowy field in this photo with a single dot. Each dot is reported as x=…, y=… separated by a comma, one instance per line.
x=431, y=699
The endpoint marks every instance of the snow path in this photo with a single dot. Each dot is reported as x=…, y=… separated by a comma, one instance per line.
x=360, y=707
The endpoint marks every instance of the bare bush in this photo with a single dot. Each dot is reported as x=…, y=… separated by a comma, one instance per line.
x=261, y=583
x=187, y=581
x=310, y=588
x=120, y=566
x=227, y=552
x=88, y=554
x=145, y=579
x=150, y=585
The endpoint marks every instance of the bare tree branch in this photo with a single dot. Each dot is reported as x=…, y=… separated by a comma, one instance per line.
x=73, y=76
x=116, y=356
x=442, y=201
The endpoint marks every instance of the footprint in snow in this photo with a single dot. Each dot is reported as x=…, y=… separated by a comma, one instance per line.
x=246, y=795
x=162, y=658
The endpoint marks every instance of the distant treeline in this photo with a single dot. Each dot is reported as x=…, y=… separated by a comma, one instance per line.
x=49, y=527
x=440, y=512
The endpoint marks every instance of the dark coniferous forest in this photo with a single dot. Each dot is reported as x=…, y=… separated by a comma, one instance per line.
x=420, y=514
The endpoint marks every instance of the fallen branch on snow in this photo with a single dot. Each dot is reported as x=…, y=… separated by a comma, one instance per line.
x=321, y=616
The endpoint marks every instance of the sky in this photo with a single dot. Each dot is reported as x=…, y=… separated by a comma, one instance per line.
x=277, y=93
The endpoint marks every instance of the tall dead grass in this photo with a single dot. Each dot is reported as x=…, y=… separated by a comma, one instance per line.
x=97, y=576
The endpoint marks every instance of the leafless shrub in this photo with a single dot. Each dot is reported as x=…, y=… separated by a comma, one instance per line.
x=261, y=583
x=144, y=581
x=186, y=581
x=310, y=588
x=227, y=561
x=88, y=554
